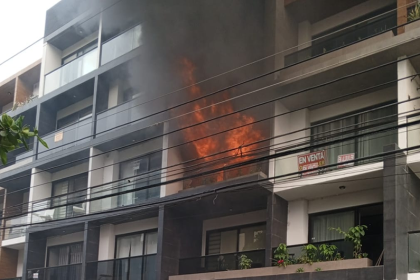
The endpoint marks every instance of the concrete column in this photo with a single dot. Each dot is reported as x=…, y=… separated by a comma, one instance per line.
x=276, y=231
x=396, y=215
x=34, y=254
x=90, y=246
x=407, y=89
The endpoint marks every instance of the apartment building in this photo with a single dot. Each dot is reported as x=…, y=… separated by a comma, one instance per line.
x=155, y=171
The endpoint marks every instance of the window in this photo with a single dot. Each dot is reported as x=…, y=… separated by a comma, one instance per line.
x=130, y=169
x=75, y=117
x=353, y=125
x=321, y=224
x=133, y=255
x=413, y=131
x=77, y=187
x=240, y=239
x=79, y=52
x=65, y=254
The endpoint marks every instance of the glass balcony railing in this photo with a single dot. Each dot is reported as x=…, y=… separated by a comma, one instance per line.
x=126, y=199
x=121, y=44
x=222, y=262
x=68, y=137
x=42, y=213
x=348, y=36
x=13, y=228
x=71, y=71
x=134, y=268
x=65, y=272
x=16, y=278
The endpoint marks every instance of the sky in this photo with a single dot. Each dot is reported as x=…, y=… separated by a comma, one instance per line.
x=21, y=23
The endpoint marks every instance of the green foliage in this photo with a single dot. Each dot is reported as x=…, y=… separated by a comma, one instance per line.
x=338, y=257
x=354, y=235
x=281, y=256
x=414, y=14
x=300, y=270
x=318, y=269
x=13, y=134
x=310, y=253
x=327, y=251
x=244, y=262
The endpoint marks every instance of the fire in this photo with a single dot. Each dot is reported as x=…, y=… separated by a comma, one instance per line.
x=234, y=139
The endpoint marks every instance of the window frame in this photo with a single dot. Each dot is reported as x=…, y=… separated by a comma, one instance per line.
x=154, y=230
x=83, y=49
x=357, y=218
x=78, y=113
x=237, y=228
x=357, y=126
x=62, y=245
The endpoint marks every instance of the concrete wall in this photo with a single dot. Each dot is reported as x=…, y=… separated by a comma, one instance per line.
x=92, y=37
x=69, y=172
x=297, y=222
x=108, y=233
x=65, y=239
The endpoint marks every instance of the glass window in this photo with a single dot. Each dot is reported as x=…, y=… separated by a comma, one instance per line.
x=77, y=188
x=75, y=117
x=347, y=127
x=245, y=238
x=80, y=52
x=320, y=225
x=65, y=254
x=132, y=245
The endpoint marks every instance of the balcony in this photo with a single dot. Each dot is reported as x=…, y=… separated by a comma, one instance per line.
x=13, y=230
x=121, y=44
x=71, y=71
x=134, y=268
x=42, y=213
x=65, y=272
x=222, y=262
x=348, y=36
x=68, y=137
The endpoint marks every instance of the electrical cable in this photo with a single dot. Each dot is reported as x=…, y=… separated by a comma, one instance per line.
x=199, y=98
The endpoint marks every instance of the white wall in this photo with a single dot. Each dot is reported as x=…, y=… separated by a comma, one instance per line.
x=413, y=276
x=348, y=15
x=69, y=172
x=40, y=184
x=19, y=268
x=231, y=221
x=286, y=124
x=297, y=222
x=407, y=89
x=108, y=233
x=354, y=104
x=76, y=107
x=65, y=239
x=346, y=200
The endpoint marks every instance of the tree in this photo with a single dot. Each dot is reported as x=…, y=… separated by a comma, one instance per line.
x=14, y=134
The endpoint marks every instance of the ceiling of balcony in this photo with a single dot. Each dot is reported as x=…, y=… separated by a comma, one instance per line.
x=316, y=10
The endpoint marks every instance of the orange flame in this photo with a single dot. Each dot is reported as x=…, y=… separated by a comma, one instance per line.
x=233, y=139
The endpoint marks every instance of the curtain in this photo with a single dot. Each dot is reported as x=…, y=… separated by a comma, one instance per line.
x=321, y=224
x=76, y=253
x=374, y=143
x=60, y=188
x=151, y=243
x=130, y=246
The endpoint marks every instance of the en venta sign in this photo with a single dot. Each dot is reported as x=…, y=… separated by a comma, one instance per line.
x=311, y=161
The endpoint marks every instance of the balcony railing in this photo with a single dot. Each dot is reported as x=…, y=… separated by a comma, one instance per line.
x=16, y=278
x=71, y=71
x=126, y=199
x=68, y=137
x=121, y=44
x=347, y=37
x=65, y=272
x=222, y=262
x=13, y=230
x=134, y=268
x=42, y=213
x=414, y=252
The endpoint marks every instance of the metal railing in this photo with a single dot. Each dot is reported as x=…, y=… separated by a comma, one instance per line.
x=67, y=137
x=71, y=71
x=64, y=272
x=134, y=268
x=121, y=44
x=347, y=37
x=221, y=262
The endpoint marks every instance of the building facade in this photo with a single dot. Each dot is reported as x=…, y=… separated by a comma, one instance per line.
x=184, y=136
